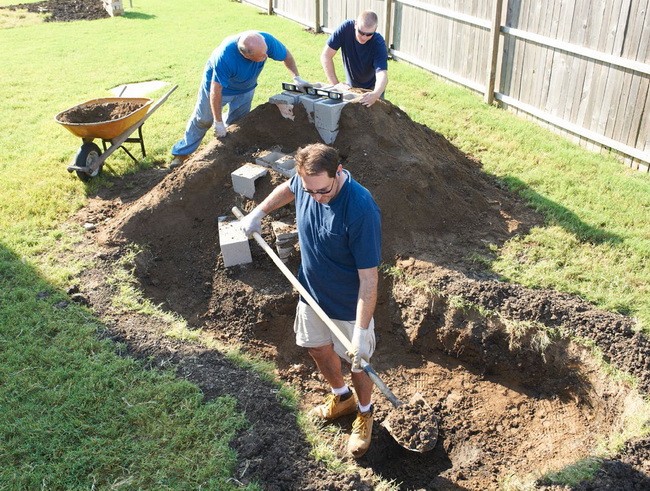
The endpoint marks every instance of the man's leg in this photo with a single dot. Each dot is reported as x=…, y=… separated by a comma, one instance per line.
x=197, y=126
x=239, y=106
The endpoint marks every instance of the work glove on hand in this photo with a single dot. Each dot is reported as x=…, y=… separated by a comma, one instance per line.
x=252, y=222
x=219, y=129
x=301, y=83
x=360, y=348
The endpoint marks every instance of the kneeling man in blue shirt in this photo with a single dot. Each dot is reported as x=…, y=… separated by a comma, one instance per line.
x=230, y=78
x=339, y=230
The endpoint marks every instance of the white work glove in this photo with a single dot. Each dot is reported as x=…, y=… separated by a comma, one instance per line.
x=360, y=348
x=252, y=222
x=219, y=129
x=301, y=83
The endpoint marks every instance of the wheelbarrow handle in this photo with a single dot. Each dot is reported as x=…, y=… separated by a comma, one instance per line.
x=321, y=313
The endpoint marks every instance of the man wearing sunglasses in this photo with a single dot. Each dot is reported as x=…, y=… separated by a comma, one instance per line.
x=365, y=58
x=230, y=78
x=339, y=230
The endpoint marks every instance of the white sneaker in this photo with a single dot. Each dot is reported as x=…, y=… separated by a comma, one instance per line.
x=178, y=161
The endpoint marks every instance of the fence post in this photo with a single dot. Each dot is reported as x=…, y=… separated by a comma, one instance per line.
x=387, y=12
x=494, y=54
x=270, y=9
x=316, y=16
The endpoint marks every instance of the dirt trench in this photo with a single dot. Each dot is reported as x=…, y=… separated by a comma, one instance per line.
x=515, y=396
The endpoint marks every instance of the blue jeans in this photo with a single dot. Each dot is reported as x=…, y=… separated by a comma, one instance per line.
x=201, y=121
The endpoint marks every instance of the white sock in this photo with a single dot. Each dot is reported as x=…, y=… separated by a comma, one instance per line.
x=341, y=390
x=364, y=409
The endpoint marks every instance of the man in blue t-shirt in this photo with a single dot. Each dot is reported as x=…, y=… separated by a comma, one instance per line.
x=230, y=78
x=365, y=59
x=339, y=230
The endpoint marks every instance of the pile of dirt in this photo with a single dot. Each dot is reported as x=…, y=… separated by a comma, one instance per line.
x=65, y=10
x=511, y=397
x=101, y=112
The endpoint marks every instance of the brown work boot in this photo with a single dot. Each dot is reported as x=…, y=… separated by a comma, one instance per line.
x=361, y=434
x=336, y=406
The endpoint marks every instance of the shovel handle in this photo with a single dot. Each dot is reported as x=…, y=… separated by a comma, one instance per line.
x=321, y=313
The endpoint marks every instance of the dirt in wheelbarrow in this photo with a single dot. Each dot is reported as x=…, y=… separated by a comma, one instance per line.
x=516, y=395
x=101, y=112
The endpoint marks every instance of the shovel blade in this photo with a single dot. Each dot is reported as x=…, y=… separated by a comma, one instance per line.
x=413, y=425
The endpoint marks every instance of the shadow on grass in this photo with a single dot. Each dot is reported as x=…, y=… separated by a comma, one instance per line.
x=557, y=214
x=137, y=15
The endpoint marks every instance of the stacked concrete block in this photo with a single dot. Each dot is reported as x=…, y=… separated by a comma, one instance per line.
x=243, y=179
x=235, y=248
x=286, y=237
x=285, y=102
x=326, y=118
x=308, y=102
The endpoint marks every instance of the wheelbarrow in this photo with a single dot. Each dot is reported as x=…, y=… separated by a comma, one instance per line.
x=89, y=160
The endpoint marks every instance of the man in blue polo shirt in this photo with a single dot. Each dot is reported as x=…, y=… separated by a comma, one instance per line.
x=339, y=230
x=365, y=59
x=230, y=78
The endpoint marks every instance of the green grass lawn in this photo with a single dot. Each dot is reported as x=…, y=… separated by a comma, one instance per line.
x=64, y=421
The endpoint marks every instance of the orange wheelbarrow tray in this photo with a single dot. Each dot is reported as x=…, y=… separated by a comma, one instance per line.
x=89, y=160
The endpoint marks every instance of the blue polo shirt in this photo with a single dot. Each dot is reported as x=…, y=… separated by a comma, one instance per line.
x=236, y=74
x=360, y=61
x=336, y=240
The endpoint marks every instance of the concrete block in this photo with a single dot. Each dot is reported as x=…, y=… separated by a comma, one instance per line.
x=327, y=113
x=113, y=7
x=285, y=165
x=286, y=236
x=235, y=248
x=308, y=102
x=328, y=136
x=243, y=179
x=269, y=158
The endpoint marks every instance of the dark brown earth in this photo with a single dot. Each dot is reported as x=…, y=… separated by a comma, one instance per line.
x=65, y=10
x=514, y=394
x=101, y=112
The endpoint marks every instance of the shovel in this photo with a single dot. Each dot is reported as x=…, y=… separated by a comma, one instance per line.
x=412, y=425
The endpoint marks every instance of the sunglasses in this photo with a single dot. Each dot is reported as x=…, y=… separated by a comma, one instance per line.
x=320, y=191
x=366, y=34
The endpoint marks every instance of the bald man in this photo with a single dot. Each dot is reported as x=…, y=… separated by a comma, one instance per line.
x=365, y=59
x=230, y=78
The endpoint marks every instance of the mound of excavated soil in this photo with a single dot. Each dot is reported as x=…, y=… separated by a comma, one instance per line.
x=511, y=396
x=65, y=10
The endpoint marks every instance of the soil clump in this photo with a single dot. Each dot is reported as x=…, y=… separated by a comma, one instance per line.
x=511, y=397
x=65, y=10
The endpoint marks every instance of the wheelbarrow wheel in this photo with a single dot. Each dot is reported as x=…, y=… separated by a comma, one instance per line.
x=88, y=153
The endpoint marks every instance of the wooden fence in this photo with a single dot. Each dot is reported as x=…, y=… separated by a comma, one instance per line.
x=579, y=67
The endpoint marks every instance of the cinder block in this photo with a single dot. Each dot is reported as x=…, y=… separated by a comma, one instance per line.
x=285, y=165
x=308, y=102
x=243, y=179
x=327, y=113
x=113, y=7
x=235, y=248
x=268, y=159
x=286, y=236
x=328, y=136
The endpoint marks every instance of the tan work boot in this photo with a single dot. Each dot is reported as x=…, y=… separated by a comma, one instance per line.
x=178, y=161
x=361, y=434
x=336, y=406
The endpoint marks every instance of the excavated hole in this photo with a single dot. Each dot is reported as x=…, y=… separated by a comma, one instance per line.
x=513, y=394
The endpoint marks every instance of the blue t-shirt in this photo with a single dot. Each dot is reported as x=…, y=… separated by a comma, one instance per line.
x=360, y=61
x=236, y=74
x=336, y=240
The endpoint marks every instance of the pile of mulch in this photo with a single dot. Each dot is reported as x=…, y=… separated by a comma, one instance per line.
x=65, y=10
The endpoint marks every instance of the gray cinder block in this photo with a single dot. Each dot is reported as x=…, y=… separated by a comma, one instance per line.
x=235, y=248
x=243, y=179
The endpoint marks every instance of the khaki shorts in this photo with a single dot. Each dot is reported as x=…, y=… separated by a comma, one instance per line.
x=312, y=332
